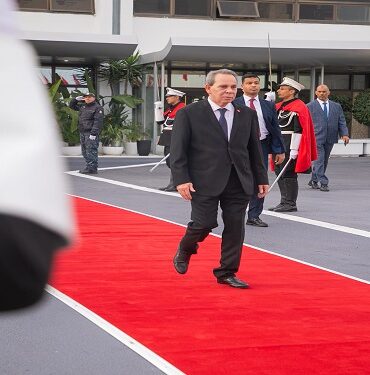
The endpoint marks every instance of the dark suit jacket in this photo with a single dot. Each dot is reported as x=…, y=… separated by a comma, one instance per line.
x=327, y=130
x=276, y=143
x=201, y=154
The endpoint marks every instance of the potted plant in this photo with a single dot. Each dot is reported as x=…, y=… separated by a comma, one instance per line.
x=144, y=144
x=111, y=138
x=132, y=133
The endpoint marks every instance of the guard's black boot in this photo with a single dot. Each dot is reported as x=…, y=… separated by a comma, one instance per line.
x=283, y=195
x=290, y=204
x=88, y=171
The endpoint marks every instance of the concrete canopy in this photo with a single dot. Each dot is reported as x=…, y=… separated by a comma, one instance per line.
x=89, y=47
x=292, y=53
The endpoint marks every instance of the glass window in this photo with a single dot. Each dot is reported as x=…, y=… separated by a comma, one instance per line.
x=152, y=6
x=45, y=75
x=74, y=6
x=315, y=12
x=305, y=80
x=239, y=9
x=336, y=81
x=275, y=11
x=33, y=4
x=359, y=82
x=353, y=13
x=193, y=7
x=70, y=76
x=195, y=79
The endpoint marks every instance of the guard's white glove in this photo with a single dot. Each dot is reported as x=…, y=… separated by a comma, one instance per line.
x=293, y=154
x=79, y=98
x=92, y=137
x=294, y=145
x=158, y=111
x=270, y=96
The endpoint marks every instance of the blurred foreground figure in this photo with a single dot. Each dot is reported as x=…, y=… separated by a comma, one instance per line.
x=35, y=217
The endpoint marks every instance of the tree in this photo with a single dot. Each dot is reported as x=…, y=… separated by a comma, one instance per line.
x=361, y=107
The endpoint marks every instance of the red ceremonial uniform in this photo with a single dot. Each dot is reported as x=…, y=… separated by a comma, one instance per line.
x=307, y=148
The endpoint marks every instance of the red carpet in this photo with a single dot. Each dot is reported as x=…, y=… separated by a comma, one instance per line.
x=295, y=320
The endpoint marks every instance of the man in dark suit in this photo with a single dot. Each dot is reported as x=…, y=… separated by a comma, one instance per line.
x=270, y=136
x=329, y=122
x=215, y=158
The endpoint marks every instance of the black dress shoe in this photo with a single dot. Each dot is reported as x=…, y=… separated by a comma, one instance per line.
x=286, y=208
x=181, y=261
x=89, y=171
x=257, y=222
x=324, y=187
x=233, y=282
x=313, y=184
x=274, y=208
x=168, y=188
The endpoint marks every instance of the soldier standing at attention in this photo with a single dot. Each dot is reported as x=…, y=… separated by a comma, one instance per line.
x=300, y=144
x=166, y=119
x=90, y=122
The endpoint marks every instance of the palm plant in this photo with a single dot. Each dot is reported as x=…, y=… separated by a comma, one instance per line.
x=126, y=70
x=66, y=117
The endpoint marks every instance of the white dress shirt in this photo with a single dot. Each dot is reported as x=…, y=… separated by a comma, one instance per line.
x=261, y=121
x=229, y=114
x=321, y=102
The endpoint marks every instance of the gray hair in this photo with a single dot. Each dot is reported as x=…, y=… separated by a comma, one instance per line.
x=211, y=76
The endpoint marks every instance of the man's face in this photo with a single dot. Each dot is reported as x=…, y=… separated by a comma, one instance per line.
x=251, y=86
x=223, y=91
x=322, y=92
x=286, y=93
x=172, y=100
x=89, y=99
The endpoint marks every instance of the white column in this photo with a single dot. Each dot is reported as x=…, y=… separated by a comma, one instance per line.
x=313, y=83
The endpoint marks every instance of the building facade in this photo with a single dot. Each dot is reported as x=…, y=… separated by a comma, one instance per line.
x=313, y=41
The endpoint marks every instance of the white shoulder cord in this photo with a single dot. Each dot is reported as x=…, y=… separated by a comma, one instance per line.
x=290, y=115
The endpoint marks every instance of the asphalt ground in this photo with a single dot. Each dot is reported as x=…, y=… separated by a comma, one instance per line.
x=330, y=230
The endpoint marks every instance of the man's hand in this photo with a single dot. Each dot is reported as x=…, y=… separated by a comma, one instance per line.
x=279, y=158
x=293, y=154
x=185, y=190
x=92, y=137
x=345, y=139
x=262, y=190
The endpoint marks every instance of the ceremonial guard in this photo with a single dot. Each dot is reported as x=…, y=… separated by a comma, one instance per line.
x=166, y=119
x=299, y=139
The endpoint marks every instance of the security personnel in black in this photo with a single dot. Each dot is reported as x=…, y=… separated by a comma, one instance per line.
x=90, y=122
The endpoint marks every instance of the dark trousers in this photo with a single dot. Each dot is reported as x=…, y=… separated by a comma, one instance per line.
x=319, y=166
x=89, y=150
x=26, y=254
x=256, y=204
x=233, y=202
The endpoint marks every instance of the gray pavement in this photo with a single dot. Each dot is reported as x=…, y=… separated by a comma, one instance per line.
x=54, y=339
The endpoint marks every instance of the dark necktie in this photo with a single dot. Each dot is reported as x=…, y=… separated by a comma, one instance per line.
x=326, y=110
x=251, y=106
x=222, y=121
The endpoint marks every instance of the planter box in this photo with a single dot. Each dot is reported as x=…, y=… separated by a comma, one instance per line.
x=112, y=150
x=131, y=148
x=71, y=150
x=143, y=147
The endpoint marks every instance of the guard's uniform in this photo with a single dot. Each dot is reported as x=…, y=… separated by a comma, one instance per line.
x=165, y=137
x=90, y=122
x=294, y=117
